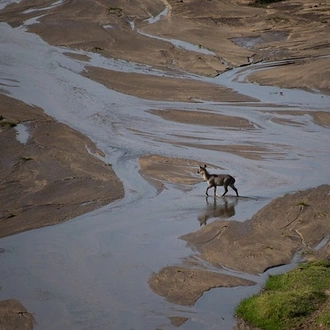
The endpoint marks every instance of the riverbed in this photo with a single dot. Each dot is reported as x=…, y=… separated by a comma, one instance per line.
x=92, y=272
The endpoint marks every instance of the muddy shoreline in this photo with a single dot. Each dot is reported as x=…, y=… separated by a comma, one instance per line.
x=58, y=173
x=53, y=176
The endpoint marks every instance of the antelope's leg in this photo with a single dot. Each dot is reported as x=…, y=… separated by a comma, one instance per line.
x=210, y=185
x=215, y=191
x=226, y=190
x=234, y=188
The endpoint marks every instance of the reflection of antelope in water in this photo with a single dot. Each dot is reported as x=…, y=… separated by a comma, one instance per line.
x=213, y=210
x=215, y=180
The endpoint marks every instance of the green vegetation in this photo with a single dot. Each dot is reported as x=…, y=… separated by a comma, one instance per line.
x=96, y=49
x=115, y=11
x=263, y=2
x=303, y=204
x=287, y=300
x=277, y=19
x=6, y=124
x=324, y=317
x=26, y=158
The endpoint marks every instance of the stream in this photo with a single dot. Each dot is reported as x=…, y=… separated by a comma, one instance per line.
x=92, y=272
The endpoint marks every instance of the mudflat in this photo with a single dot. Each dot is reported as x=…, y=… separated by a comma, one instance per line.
x=238, y=33
x=53, y=175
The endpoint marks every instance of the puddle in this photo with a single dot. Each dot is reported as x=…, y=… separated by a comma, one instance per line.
x=107, y=26
x=22, y=133
x=250, y=42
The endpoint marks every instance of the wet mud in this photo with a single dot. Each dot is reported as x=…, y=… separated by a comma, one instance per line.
x=45, y=179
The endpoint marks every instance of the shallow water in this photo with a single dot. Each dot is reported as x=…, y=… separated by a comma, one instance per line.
x=22, y=134
x=92, y=272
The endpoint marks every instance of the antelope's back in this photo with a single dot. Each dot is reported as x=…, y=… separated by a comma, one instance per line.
x=222, y=179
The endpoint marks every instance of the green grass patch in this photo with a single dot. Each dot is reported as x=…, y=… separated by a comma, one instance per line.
x=324, y=318
x=7, y=124
x=288, y=299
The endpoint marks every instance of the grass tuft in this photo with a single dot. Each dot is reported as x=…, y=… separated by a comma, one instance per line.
x=26, y=158
x=303, y=204
x=7, y=124
x=263, y=2
x=288, y=299
x=115, y=11
x=324, y=318
x=96, y=49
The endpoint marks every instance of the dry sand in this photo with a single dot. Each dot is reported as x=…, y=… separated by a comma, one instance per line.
x=14, y=316
x=293, y=30
x=184, y=285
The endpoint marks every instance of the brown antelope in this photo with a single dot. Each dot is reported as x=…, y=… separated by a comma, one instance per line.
x=215, y=180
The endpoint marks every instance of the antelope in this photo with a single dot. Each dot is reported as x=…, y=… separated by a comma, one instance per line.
x=215, y=180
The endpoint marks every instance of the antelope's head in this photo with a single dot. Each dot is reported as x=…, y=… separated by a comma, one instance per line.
x=201, y=169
